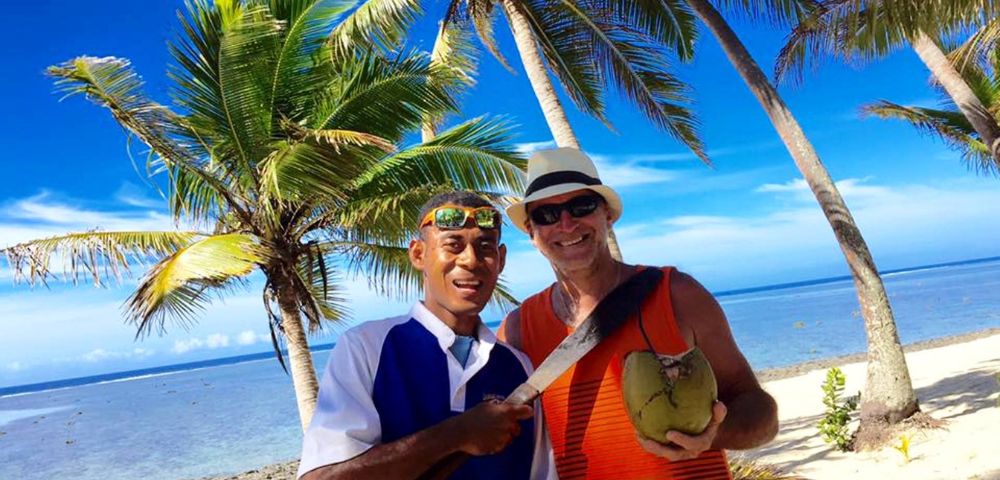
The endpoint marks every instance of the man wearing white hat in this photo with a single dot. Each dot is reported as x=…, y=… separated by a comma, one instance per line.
x=567, y=212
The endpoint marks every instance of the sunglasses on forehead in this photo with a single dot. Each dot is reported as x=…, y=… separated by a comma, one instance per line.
x=577, y=207
x=451, y=217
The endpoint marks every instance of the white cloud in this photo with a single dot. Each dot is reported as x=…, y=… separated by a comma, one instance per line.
x=795, y=185
x=949, y=222
x=217, y=340
x=14, y=366
x=184, y=346
x=100, y=354
x=211, y=342
x=137, y=196
x=96, y=355
x=528, y=148
x=44, y=215
x=249, y=337
x=619, y=174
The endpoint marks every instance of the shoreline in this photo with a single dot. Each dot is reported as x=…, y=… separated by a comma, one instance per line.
x=794, y=370
x=287, y=470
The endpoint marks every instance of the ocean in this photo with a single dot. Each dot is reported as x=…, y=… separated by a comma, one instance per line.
x=231, y=415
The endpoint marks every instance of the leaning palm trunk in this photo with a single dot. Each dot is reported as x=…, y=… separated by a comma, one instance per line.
x=888, y=395
x=538, y=75
x=959, y=91
x=299, y=357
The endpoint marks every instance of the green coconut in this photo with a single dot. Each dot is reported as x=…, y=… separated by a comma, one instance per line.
x=664, y=393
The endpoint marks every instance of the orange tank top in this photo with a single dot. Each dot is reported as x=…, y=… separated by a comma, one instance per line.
x=591, y=434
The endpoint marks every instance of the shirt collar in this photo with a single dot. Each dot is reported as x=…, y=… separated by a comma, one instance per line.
x=444, y=333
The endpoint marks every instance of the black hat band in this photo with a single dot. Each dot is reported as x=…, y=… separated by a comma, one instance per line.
x=558, y=178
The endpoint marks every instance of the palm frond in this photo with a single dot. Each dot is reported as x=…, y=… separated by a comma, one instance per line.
x=475, y=155
x=384, y=98
x=386, y=268
x=110, y=82
x=773, y=12
x=503, y=299
x=669, y=22
x=639, y=69
x=101, y=255
x=299, y=66
x=179, y=285
x=247, y=58
x=388, y=216
x=568, y=54
x=980, y=47
x=317, y=287
x=483, y=17
x=950, y=126
x=298, y=171
x=453, y=67
x=379, y=23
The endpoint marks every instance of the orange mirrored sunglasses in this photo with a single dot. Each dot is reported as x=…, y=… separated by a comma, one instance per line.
x=453, y=217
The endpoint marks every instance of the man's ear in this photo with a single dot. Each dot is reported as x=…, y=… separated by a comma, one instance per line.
x=416, y=253
x=502, y=257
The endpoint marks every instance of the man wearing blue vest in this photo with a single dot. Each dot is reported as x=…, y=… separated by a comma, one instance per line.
x=400, y=394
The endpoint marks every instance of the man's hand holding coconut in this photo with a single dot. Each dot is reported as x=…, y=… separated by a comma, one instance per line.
x=666, y=393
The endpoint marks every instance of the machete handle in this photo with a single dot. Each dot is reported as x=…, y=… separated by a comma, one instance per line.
x=524, y=394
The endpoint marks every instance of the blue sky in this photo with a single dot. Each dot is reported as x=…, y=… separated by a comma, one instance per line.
x=748, y=221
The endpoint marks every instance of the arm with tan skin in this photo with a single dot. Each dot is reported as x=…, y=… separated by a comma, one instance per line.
x=745, y=416
x=510, y=329
x=484, y=430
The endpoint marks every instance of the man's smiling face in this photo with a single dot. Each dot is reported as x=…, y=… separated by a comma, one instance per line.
x=572, y=243
x=460, y=268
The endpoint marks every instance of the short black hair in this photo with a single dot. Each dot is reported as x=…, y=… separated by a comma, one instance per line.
x=461, y=198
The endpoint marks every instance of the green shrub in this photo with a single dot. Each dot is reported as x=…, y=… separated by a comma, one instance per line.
x=833, y=425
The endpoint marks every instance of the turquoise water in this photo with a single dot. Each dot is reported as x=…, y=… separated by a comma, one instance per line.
x=229, y=418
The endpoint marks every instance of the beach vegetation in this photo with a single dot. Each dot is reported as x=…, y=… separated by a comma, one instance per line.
x=833, y=427
x=743, y=468
x=279, y=162
x=903, y=447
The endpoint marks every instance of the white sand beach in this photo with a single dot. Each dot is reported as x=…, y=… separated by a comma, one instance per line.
x=955, y=383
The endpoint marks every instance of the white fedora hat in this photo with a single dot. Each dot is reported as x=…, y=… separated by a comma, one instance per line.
x=559, y=171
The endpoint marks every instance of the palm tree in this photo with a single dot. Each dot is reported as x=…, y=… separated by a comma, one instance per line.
x=586, y=45
x=284, y=161
x=888, y=394
x=947, y=122
x=863, y=31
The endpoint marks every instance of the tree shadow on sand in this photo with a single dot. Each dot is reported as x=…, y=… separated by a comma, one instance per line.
x=967, y=393
x=960, y=395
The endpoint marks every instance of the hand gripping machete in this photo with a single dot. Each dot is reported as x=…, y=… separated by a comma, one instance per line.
x=611, y=313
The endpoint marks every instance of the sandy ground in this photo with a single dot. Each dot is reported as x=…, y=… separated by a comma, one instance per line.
x=956, y=382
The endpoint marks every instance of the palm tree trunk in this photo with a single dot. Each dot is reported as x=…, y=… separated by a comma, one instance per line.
x=888, y=395
x=538, y=76
x=959, y=91
x=299, y=357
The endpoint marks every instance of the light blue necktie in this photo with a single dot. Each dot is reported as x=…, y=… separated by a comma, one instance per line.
x=461, y=348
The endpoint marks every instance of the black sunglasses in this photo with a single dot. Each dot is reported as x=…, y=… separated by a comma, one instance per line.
x=577, y=207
